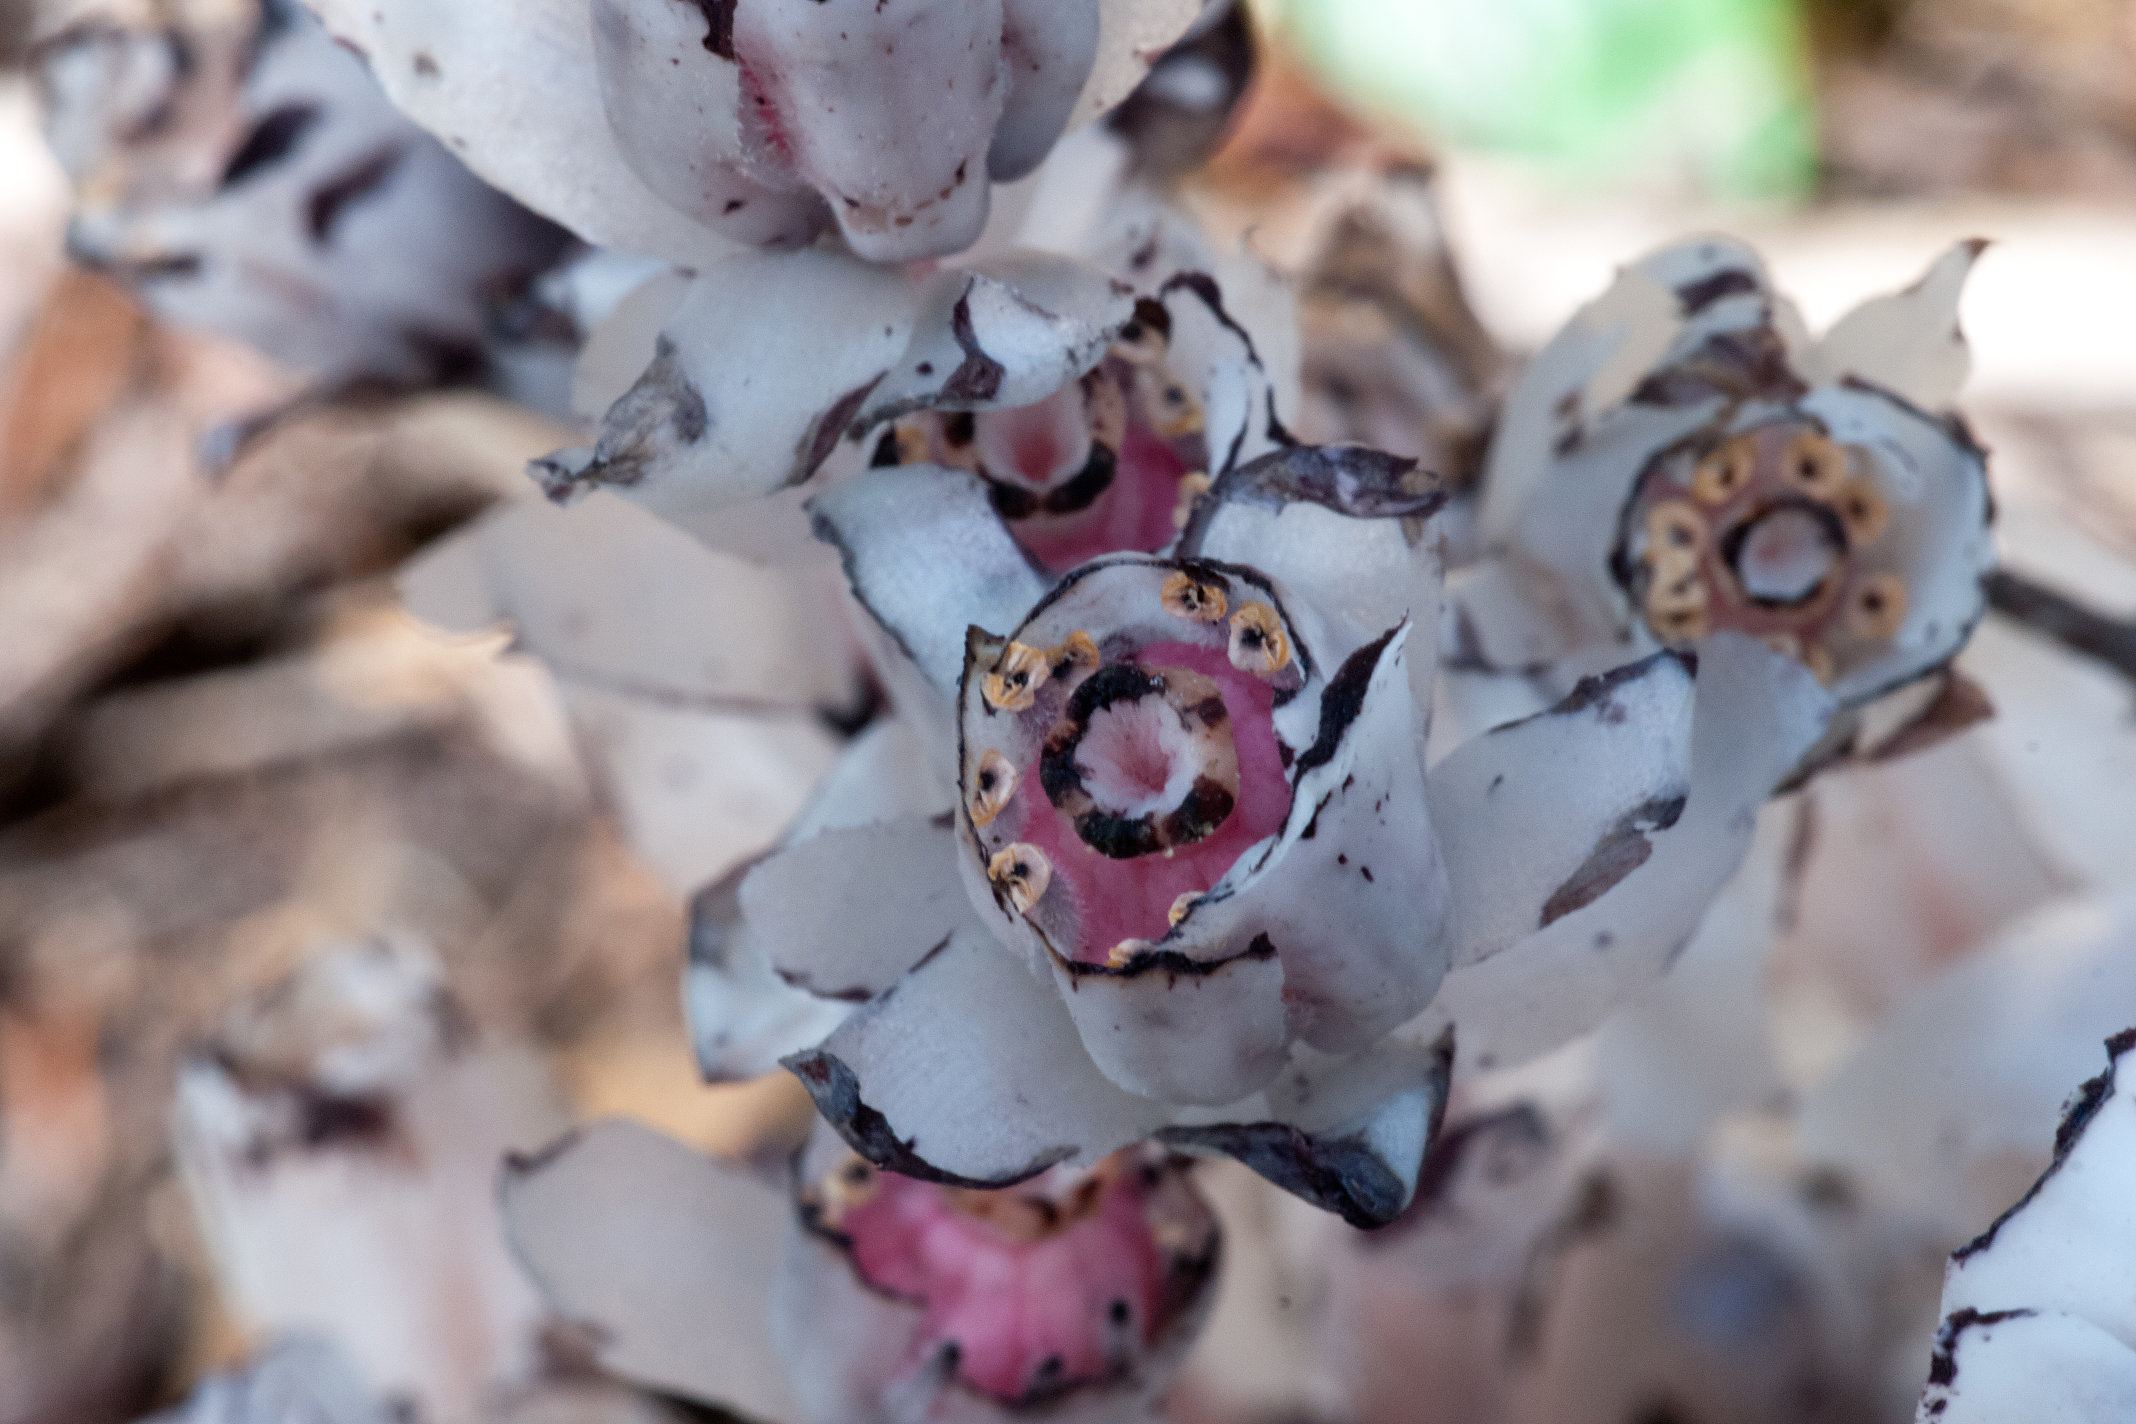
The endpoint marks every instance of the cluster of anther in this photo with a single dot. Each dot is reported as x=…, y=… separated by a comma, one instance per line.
x=1032, y=1290
x=1776, y=533
x=1139, y=753
x=1107, y=463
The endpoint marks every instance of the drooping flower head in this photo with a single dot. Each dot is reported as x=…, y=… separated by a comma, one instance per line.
x=676, y=128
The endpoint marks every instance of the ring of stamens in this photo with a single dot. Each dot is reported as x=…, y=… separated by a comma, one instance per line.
x=1185, y=721
x=1767, y=533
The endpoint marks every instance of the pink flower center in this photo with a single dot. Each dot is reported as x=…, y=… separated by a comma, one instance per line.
x=1088, y=471
x=1135, y=757
x=1134, y=514
x=1036, y=1292
x=1143, y=766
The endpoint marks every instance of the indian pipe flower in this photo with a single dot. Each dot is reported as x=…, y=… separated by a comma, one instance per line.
x=1191, y=800
x=1682, y=459
x=2037, y=1322
x=242, y=173
x=883, y=1298
x=678, y=128
x=1095, y=398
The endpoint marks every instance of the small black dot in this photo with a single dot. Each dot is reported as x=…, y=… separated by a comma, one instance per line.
x=1118, y=1312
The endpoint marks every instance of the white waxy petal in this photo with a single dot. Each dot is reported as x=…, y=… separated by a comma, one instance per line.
x=666, y=1256
x=745, y=395
x=2028, y=1367
x=887, y=107
x=1180, y=1029
x=1330, y=526
x=1590, y=365
x=1049, y=47
x=744, y=1016
x=1908, y=342
x=1939, y=545
x=1353, y=896
x=1008, y=332
x=929, y=558
x=674, y=105
x=1756, y=713
x=1214, y=354
x=511, y=87
x=2038, y=1322
x=881, y=776
x=1548, y=814
x=843, y=914
x=610, y=595
x=1132, y=34
x=1347, y=1134
x=847, y=1347
x=2065, y=1245
x=969, y=1070
x=697, y=788
x=622, y=340
x=278, y=198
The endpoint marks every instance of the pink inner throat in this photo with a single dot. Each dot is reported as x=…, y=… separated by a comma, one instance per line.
x=1115, y=900
x=1134, y=513
x=1027, y=1313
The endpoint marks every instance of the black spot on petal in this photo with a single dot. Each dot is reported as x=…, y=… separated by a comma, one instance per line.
x=271, y=140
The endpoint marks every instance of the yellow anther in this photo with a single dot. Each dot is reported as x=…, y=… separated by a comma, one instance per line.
x=1816, y=465
x=1022, y=872
x=1723, y=473
x=1863, y=511
x=1185, y=596
x=1876, y=607
x=1258, y=643
x=1014, y=683
x=993, y=784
